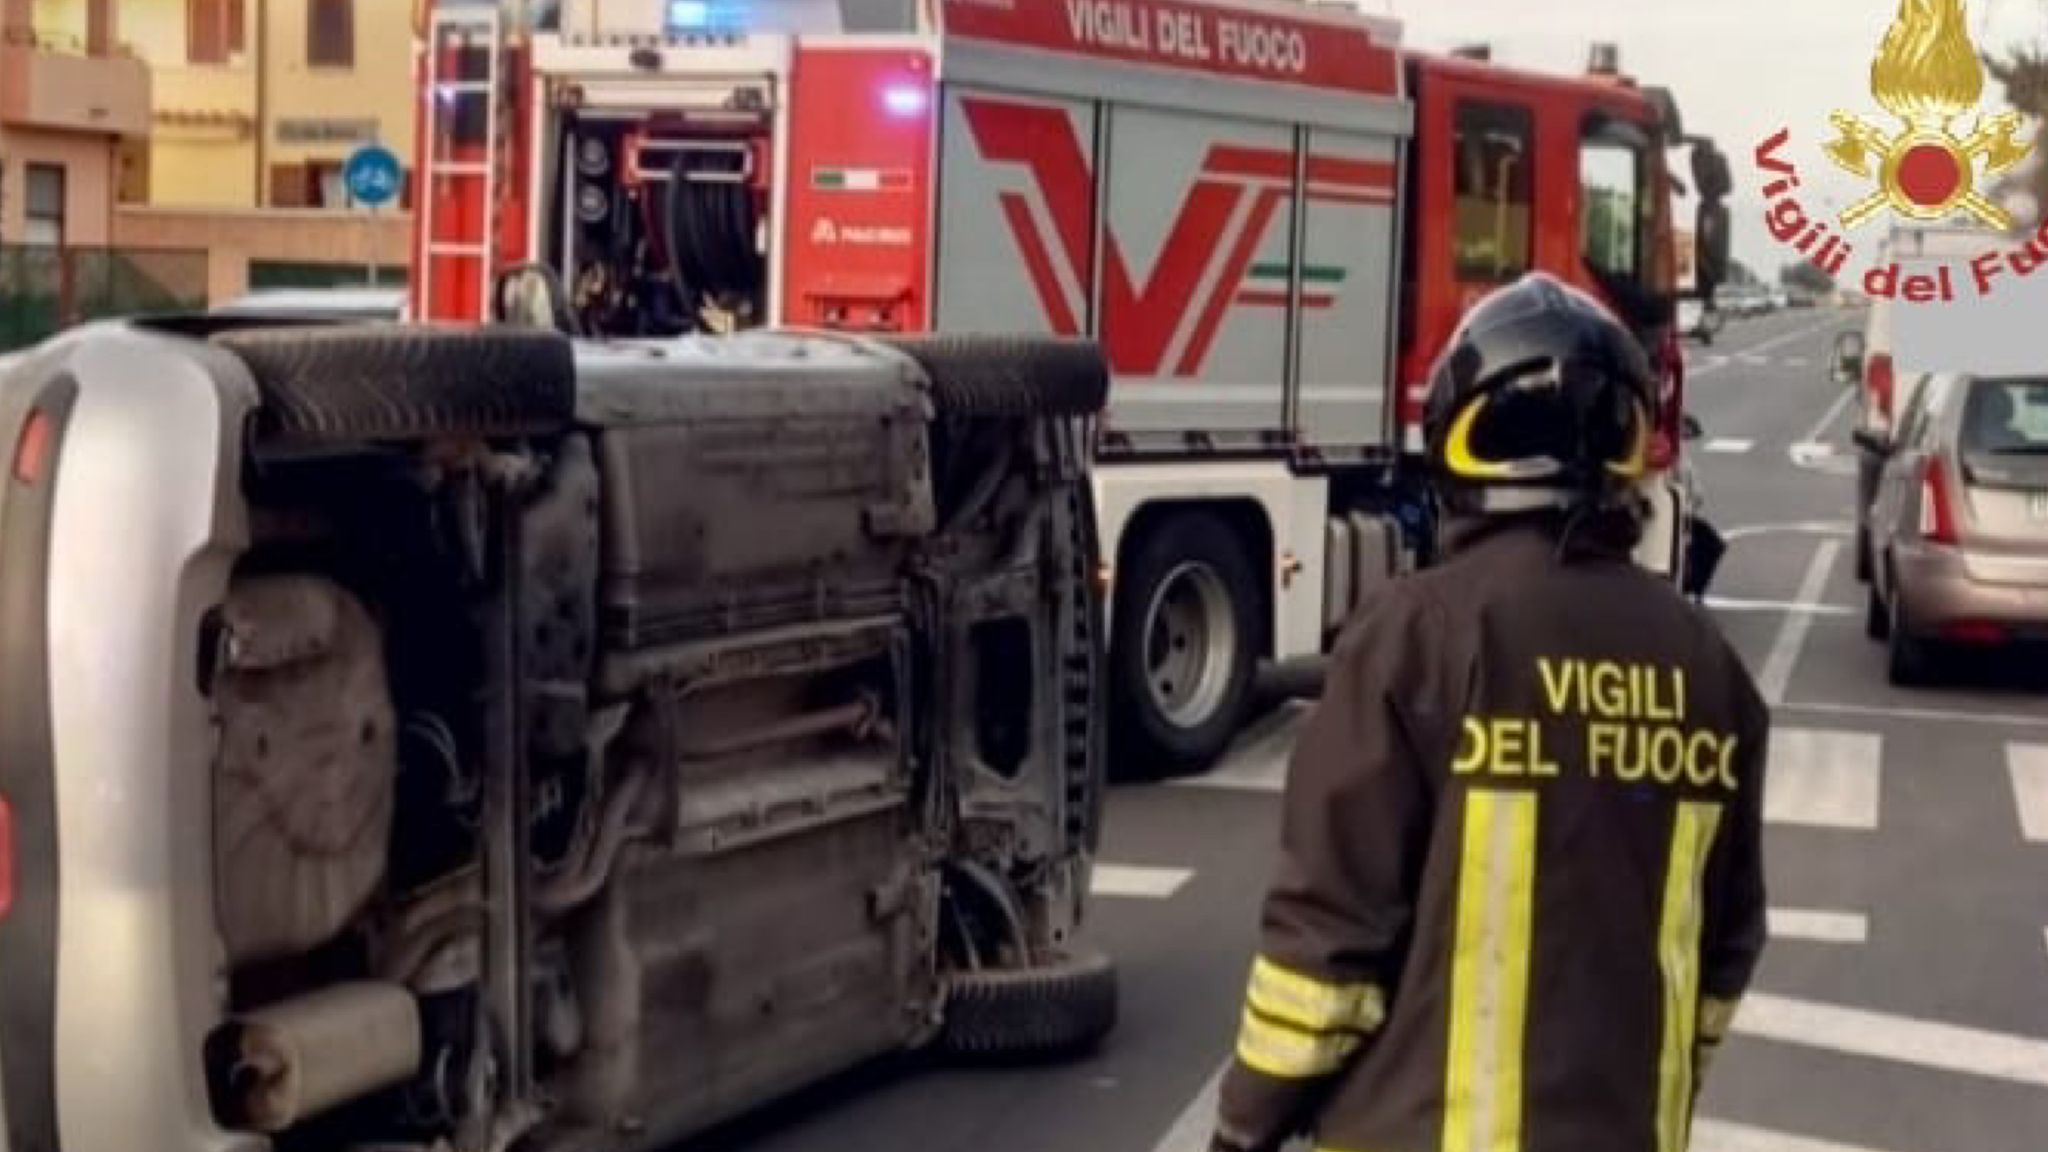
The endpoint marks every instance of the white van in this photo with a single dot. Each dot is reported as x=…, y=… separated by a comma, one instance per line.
x=1866, y=359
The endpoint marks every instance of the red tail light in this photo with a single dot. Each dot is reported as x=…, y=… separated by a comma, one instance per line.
x=1937, y=511
x=1973, y=632
x=32, y=448
x=6, y=857
x=1877, y=376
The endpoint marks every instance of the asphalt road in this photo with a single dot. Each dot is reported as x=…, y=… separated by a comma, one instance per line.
x=1903, y=1002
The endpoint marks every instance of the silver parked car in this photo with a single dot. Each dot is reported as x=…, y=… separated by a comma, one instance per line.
x=1959, y=525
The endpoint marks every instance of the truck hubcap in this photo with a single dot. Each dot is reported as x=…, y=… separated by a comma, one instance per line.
x=1190, y=642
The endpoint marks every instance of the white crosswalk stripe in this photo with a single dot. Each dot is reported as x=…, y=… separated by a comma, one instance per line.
x=1137, y=881
x=1823, y=778
x=2028, y=765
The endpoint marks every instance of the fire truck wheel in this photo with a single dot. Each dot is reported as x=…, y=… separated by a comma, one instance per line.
x=1183, y=647
x=336, y=385
x=1062, y=1008
x=1010, y=376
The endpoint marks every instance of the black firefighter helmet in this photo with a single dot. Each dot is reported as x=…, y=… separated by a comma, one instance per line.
x=1542, y=399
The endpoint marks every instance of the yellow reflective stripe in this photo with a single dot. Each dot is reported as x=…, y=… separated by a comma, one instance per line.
x=1278, y=1050
x=1678, y=954
x=1490, y=973
x=1315, y=1005
x=1458, y=454
x=1716, y=1015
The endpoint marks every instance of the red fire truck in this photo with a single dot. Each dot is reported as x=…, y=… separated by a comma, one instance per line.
x=1269, y=213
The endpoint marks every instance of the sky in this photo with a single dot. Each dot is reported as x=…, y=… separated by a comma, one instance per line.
x=1740, y=69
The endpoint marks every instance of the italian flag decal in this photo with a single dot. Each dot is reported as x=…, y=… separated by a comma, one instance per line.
x=861, y=179
x=1265, y=286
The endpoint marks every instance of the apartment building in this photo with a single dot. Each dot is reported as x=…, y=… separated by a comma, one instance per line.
x=70, y=101
x=257, y=103
x=248, y=111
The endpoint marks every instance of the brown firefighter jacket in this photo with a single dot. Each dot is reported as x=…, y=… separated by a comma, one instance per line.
x=1520, y=886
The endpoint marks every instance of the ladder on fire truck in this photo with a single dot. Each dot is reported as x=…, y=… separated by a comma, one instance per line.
x=464, y=183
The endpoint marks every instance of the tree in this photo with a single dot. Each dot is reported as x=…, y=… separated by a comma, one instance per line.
x=1806, y=278
x=2023, y=71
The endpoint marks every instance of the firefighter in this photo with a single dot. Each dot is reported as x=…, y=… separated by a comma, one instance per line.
x=1520, y=888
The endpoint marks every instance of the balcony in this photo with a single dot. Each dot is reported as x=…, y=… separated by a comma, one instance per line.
x=45, y=86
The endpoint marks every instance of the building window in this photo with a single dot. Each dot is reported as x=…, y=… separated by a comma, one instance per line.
x=331, y=33
x=213, y=31
x=1492, y=191
x=44, y=204
x=310, y=184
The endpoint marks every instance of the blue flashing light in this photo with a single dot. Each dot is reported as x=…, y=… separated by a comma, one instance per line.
x=906, y=99
x=689, y=15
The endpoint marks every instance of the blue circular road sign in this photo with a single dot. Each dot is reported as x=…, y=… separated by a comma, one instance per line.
x=372, y=175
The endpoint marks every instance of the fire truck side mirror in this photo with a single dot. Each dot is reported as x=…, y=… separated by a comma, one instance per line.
x=1710, y=239
x=531, y=296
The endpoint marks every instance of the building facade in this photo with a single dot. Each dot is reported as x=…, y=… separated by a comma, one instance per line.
x=256, y=103
x=72, y=103
x=236, y=121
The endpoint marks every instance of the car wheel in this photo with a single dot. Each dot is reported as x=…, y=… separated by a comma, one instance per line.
x=339, y=385
x=1908, y=659
x=1185, y=638
x=1877, y=620
x=1009, y=376
x=1061, y=1008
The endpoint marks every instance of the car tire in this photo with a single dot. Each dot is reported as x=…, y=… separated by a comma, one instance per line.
x=346, y=384
x=1005, y=377
x=1863, y=554
x=1059, y=1009
x=1909, y=662
x=1183, y=645
x=1877, y=621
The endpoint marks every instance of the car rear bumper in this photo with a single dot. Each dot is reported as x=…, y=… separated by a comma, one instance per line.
x=1939, y=594
x=144, y=521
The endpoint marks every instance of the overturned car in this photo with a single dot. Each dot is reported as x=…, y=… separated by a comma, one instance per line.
x=476, y=739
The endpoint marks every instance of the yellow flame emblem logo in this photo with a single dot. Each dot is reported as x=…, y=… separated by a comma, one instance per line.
x=1927, y=74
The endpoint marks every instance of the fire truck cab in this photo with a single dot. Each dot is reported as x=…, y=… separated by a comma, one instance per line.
x=1268, y=213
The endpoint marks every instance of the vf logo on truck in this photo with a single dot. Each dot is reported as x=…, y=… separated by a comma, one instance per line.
x=1145, y=320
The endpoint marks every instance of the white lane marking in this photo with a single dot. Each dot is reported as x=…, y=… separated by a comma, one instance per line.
x=1732, y=604
x=1268, y=774
x=1934, y=715
x=1822, y=779
x=1197, y=1122
x=1138, y=882
x=2028, y=764
x=1805, y=527
x=1784, y=654
x=1773, y=342
x=1721, y=1136
x=1728, y=446
x=1900, y=1039
x=1259, y=761
x=1819, y=925
x=1818, y=433
x=1795, y=361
